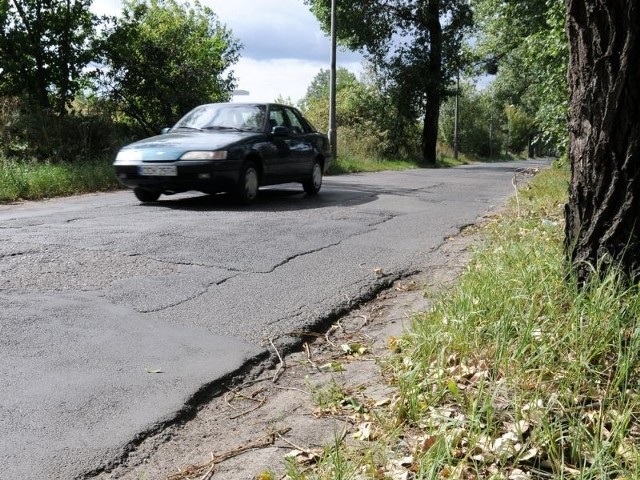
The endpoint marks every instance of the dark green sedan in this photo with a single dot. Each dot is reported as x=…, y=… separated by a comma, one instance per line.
x=227, y=147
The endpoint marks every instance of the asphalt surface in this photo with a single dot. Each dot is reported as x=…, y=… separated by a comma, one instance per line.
x=115, y=315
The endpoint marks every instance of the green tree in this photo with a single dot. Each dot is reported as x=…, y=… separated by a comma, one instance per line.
x=528, y=43
x=520, y=129
x=369, y=126
x=318, y=89
x=415, y=43
x=163, y=58
x=478, y=121
x=45, y=46
x=602, y=227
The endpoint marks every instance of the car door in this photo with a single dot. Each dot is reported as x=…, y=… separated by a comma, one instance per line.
x=278, y=165
x=302, y=152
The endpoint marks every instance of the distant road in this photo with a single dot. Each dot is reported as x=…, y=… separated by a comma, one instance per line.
x=115, y=314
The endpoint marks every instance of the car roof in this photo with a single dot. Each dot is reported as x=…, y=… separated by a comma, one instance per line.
x=249, y=104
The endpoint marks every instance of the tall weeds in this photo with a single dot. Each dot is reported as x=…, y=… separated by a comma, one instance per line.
x=538, y=376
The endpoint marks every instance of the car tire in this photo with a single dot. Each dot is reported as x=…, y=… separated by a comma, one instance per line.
x=314, y=183
x=248, y=184
x=146, y=196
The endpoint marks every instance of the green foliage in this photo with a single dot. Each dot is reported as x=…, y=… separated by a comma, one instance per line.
x=520, y=128
x=415, y=47
x=28, y=133
x=534, y=358
x=27, y=180
x=479, y=131
x=163, y=58
x=530, y=45
x=369, y=125
x=45, y=46
x=318, y=89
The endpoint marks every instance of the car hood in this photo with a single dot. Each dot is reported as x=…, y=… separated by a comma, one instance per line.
x=171, y=146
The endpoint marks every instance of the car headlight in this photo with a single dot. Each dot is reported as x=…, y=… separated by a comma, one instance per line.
x=127, y=156
x=205, y=155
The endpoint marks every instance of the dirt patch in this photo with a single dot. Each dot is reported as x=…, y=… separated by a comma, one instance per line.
x=250, y=429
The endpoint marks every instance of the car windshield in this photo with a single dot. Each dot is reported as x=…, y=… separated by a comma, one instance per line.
x=224, y=117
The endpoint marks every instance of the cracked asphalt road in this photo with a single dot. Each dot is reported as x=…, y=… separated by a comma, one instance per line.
x=115, y=315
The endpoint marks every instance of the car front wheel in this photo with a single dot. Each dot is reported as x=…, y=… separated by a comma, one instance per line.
x=314, y=183
x=145, y=195
x=247, y=189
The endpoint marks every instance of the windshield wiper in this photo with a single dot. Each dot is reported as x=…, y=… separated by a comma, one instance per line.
x=222, y=127
x=188, y=128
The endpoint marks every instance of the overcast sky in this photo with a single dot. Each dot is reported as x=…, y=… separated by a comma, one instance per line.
x=283, y=46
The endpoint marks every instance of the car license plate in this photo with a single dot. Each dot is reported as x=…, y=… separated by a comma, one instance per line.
x=158, y=170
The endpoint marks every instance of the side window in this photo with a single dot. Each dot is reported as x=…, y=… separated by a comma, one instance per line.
x=276, y=117
x=296, y=124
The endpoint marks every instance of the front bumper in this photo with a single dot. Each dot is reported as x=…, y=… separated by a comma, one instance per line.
x=205, y=176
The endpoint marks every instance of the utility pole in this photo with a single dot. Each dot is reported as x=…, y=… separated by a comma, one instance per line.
x=333, y=137
x=491, y=136
x=455, y=118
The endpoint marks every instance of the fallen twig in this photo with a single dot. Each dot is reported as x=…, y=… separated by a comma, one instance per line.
x=209, y=473
x=293, y=445
x=292, y=388
x=263, y=400
x=326, y=336
x=366, y=322
x=281, y=366
x=308, y=352
x=207, y=469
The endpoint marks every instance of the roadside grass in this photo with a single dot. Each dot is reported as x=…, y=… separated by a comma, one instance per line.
x=346, y=164
x=358, y=164
x=514, y=373
x=31, y=180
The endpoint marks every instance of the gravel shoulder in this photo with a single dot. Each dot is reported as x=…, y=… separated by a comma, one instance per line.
x=247, y=429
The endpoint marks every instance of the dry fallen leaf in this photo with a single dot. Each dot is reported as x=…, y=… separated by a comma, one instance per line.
x=304, y=457
x=365, y=432
x=394, y=344
x=382, y=402
x=518, y=474
x=424, y=444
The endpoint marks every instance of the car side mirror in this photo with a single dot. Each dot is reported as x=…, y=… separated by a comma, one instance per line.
x=165, y=130
x=280, y=131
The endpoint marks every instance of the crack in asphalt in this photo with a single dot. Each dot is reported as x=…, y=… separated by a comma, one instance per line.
x=238, y=272
x=324, y=247
x=20, y=227
x=18, y=254
x=204, y=291
x=388, y=217
x=179, y=263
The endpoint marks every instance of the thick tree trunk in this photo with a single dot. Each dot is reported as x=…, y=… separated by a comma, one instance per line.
x=433, y=90
x=603, y=213
x=430, y=130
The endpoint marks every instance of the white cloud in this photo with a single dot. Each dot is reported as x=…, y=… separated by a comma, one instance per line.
x=106, y=7
x=267, y=79
x=284, y=47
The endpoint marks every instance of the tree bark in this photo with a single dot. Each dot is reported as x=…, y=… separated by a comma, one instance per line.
x=433, y=88
x=603, y=212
